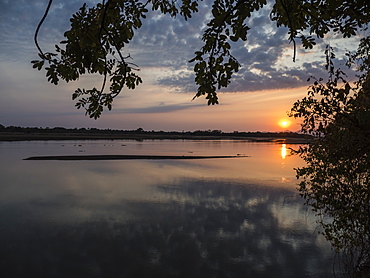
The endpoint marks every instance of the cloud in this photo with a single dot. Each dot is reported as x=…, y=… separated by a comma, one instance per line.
x=259, y=57
x=161, y=48
x=266, y=60
x=166, y=43
x=19, y=20
x=181, y=82
x=159, y=108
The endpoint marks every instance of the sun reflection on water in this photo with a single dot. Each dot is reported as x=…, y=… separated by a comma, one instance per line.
x=283, y=151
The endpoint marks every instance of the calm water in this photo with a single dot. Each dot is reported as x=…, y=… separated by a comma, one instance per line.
x=239, y=217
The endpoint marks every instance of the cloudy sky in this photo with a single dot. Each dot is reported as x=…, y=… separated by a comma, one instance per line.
x=258, y=98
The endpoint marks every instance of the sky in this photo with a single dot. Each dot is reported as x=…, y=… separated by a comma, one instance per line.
x=258, y=98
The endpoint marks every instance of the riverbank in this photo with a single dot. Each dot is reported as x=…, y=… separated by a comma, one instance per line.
x=16, y=133
x=13, y=136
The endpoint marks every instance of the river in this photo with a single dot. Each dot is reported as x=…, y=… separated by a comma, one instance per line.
x=223, y=217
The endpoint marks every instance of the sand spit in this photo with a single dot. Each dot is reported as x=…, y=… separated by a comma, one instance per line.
x=126, y=157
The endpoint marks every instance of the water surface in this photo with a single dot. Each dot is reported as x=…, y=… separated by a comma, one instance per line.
x=232, y=217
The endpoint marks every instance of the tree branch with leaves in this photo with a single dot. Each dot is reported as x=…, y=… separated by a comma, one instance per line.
x=98, y=35
x=336, y=179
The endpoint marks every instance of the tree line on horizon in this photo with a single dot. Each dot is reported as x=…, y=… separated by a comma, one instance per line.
x=209, y=132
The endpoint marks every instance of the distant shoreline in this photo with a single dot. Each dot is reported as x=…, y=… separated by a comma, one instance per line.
x=147, y=136
x=16, y=133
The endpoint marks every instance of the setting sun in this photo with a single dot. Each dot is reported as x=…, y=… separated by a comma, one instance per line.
x=284, y=123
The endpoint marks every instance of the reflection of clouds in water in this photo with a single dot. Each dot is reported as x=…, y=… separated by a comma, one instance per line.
x=285, y=180
x=298, y=221
x=204, y=228
x=246, y=225
x=253, y=202
x=195, y=218
x=264, y=218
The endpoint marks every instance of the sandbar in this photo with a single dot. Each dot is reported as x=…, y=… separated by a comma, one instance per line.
x=126, y=157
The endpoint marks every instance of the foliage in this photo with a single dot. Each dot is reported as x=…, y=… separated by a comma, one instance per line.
x=336, y=180
x=98, y=35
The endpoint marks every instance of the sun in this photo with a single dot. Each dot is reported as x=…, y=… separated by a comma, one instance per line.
x=284, y=123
